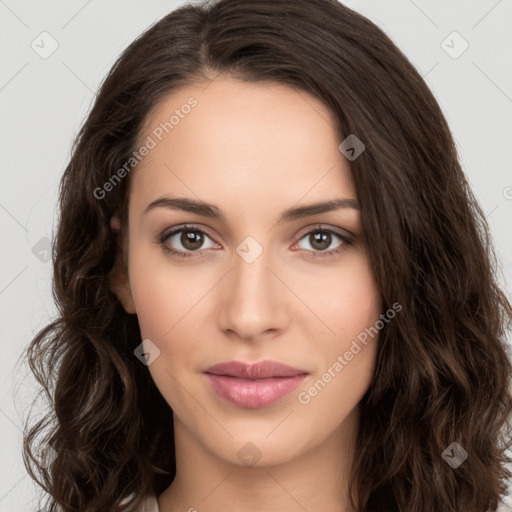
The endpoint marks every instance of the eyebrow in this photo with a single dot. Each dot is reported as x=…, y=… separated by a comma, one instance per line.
x=213, y=212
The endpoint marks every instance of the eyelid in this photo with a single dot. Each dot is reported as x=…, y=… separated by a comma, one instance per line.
x=182, y=227
x=344, y=233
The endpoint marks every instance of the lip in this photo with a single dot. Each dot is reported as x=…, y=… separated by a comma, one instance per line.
x=254, y=385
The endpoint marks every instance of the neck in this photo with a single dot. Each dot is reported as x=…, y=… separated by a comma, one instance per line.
x=317, y=480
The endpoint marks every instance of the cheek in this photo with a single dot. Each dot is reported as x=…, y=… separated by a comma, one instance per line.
x=170, y=310
x=350, y=305
x=358, y=305
x=345, y=360
x=164, y=295
x=166, y=316
x=347, y=299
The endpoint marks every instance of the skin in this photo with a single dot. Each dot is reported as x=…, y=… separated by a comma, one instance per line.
x=253, y=150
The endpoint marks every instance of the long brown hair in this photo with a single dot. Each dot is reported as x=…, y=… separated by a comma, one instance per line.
x=442, y=372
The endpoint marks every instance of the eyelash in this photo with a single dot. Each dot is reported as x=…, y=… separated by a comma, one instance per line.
x=347, y=241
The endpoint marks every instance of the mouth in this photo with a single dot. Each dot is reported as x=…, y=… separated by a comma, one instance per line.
x=253, y=385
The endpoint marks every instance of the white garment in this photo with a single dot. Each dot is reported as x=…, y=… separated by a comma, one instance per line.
x=150, y=504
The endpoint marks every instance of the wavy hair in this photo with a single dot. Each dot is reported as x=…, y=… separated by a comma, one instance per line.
x=443, y=370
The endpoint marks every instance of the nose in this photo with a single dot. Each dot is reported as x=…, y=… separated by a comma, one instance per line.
x=254, y=300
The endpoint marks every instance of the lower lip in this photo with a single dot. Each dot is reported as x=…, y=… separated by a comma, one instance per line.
x=252, y=393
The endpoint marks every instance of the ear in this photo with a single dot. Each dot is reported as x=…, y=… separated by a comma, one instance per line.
x=118, y=278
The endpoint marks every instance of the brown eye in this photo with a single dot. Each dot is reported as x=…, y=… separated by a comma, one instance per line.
x=191, y=240
x=185, y=241
x=321, y=241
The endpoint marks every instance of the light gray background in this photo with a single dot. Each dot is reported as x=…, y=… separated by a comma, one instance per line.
x=43, y=102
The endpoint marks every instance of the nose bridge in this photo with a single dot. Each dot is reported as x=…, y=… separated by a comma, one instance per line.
x=251, y=304
x=250, y=274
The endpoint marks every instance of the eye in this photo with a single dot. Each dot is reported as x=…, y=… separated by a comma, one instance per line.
x=189, y=242
x=320, y=239
x=190, y=238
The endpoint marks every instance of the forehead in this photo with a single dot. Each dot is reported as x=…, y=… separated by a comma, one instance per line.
x=231, y=138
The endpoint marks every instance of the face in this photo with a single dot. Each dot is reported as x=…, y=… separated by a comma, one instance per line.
x=242, y=280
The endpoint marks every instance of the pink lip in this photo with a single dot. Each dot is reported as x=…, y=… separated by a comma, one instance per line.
x=253, y=385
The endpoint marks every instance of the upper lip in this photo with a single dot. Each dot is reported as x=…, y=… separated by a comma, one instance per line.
x=261, y=370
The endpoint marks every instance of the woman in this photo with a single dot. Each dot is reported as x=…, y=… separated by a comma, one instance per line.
x=276, y=289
